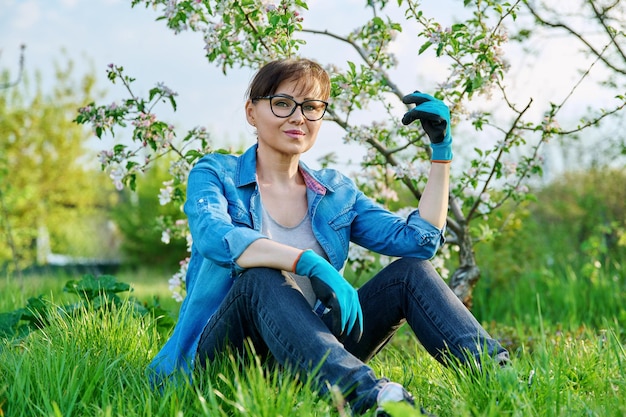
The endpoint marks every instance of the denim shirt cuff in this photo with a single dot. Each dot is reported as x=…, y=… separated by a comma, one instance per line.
x=238, y=241
x=429, y=234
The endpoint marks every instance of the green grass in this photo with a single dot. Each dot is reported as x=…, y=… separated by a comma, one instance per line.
x=565, y=330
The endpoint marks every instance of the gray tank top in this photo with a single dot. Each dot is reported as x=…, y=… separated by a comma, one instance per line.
x=301, y=237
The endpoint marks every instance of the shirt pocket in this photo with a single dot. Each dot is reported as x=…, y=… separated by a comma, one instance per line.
x=240, y=216
x=341, y=224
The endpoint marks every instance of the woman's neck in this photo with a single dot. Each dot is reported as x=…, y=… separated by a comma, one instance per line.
x=277, y=169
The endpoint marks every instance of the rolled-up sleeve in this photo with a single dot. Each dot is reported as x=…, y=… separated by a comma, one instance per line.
x=377, y=229
x=430, y=237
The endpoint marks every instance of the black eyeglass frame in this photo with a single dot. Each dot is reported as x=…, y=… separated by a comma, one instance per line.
x=270, y=98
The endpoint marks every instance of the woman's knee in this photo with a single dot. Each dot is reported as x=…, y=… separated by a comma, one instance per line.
x=414, y=267
x=414, y=263
x=253, y=273
x=259, y=276
x=264, y=282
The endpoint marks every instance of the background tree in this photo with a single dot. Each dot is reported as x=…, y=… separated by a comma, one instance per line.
x=249, y=33
x=4, y=213
x=150, y=230
x=597, y=28
x=51, y=189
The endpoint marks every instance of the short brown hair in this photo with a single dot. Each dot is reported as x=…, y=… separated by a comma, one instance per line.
x=309, y=76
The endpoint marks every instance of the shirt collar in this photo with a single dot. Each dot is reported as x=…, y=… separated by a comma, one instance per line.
x=246, y=167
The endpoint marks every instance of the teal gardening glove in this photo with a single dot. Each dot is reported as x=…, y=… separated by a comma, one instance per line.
x=334, y=292
x=435, y=118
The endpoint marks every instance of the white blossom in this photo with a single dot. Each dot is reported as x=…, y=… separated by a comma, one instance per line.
x=165, y=236
x=117, y=173
x=177, y=281
x=165, y=193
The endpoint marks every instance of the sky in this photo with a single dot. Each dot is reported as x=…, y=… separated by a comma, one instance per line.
x=95, y=33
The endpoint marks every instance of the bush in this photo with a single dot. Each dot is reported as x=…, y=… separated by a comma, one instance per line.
x=562, y=253
x=138, y=218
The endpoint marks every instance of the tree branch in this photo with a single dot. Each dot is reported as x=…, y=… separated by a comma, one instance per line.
x=253, y=27
x=513, y=127
x=392, y=86
x=20, y=72
x=607, y=29
x=580, y=37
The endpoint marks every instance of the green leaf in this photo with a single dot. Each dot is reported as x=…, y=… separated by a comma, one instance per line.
x=154, y=92
x=352, y=66
x=440, y=49
x=173, y=102
x=141, y=105
x=35, y=312
x=302, y=4
x=424, y=47
x=457, y=27
x=192, y=155
x=9, y=323
x=274, y=19
x=92, y=287
x=130, y=165
x=132, y=182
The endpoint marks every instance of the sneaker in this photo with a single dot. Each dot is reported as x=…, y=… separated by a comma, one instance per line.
x=394, y=392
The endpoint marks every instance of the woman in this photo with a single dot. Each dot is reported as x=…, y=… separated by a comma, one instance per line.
x=271, y=235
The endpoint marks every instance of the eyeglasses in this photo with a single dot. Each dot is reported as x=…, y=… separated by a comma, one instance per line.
x=283, y=107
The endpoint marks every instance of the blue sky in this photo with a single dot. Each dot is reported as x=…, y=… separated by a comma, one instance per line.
x=98, y=32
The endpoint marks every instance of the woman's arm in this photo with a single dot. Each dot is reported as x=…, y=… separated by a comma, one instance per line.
x=270, y=254
x=433, y=205
x=434, y=116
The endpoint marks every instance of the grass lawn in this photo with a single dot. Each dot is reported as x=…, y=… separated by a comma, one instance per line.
x=92, y=363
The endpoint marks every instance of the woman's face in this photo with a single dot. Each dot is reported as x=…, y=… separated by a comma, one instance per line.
x=292, y=135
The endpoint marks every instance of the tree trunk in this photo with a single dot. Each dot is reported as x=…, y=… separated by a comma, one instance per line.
x=466, y=276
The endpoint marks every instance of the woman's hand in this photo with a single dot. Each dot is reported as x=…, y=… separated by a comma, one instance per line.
x=435, y=118
x=334, y=292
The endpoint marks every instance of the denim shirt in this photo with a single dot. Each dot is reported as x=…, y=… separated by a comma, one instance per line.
x=224, y=210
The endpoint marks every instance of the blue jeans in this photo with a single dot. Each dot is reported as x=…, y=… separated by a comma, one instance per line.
x=266, y=308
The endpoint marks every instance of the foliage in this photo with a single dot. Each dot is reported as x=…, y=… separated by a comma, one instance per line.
x=563, y=326
x=46, y=186
x=566, y=256
x=591, y=207
x=95, y=293
x=249, y=33
x=150, y=230
x=577, y=224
